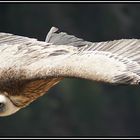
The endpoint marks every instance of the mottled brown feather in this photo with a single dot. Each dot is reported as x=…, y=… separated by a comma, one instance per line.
x=22, y=90
x=34, y=89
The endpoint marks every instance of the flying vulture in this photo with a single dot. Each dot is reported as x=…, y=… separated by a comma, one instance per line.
x=29, y=68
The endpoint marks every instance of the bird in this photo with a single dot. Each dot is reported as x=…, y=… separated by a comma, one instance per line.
x=29, y=67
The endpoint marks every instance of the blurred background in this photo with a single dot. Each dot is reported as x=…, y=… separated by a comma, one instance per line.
x=76, y=107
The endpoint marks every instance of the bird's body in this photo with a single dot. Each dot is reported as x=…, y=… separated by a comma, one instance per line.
x=29, y=68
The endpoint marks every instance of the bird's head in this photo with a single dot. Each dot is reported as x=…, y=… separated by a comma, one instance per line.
x=7, y=107
x=10, y=104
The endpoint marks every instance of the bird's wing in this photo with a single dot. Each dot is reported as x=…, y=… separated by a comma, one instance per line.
x=115, y=61
x=112, y=61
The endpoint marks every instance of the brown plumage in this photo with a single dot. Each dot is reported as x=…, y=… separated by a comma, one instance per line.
x=29, y=68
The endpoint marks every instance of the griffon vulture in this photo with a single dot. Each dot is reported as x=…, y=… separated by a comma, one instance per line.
x=29, y=68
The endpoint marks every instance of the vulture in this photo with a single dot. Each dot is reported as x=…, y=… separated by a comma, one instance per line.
x=29, y=68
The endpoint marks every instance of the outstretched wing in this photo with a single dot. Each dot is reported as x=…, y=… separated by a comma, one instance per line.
x=115, y=61
x=64, y=55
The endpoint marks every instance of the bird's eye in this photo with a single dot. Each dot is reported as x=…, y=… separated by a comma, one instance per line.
x=2, y=106
x=6, y=106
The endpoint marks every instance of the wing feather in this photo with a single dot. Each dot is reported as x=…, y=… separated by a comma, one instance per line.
x=124, y=51
x=7, y=38
x=64, y=55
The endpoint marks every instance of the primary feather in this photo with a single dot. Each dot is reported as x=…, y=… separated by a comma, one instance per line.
x=29, y=68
